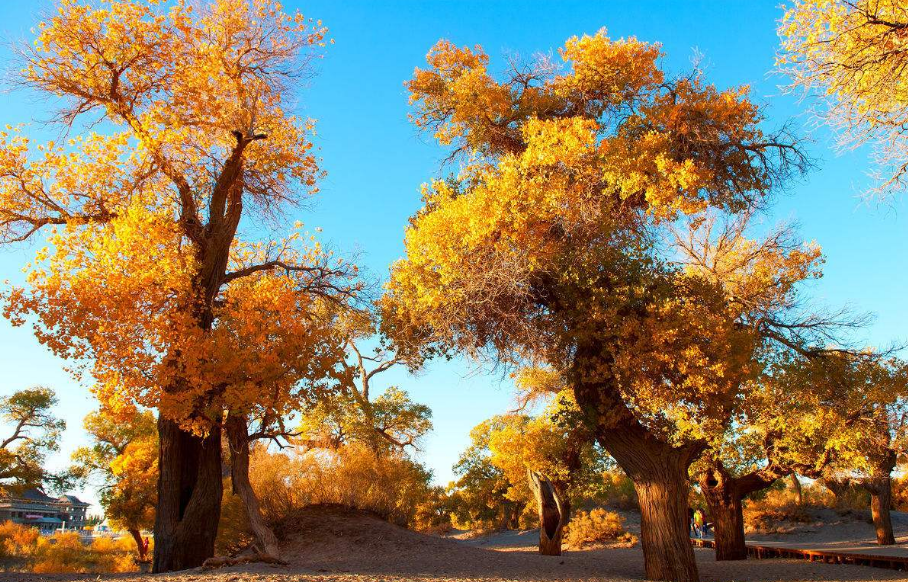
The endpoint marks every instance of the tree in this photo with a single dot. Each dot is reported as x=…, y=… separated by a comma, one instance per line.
x=787, y=425
x=554, y=453
x=542, y=250
x=146, y=284
x=852, y=55
x=871, y=397
x=387, y=421
x=755, y=441
x=33, y=432
x=124, y=456
x=482, y=496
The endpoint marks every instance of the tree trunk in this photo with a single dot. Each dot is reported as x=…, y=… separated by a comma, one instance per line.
x=238, y=437
x=664, y=528
x=880, y=503
x=553, y=514
x=140, y=543
x=796, y=485
x=880, y=487
x=659, y=472
x=723, y=496
x=189, y=497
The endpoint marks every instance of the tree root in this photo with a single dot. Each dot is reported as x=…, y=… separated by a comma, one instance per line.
x=222, y=561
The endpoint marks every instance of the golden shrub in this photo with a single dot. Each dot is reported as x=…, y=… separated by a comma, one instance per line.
x=67, y=553
x=17, y=541
x=597, y=527
x=389, y=485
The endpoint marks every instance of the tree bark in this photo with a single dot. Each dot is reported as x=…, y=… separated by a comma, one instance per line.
x=554, y=512
x=880, y=503
x=238, y=437
x=724, y=495
x=140, y=543
x=189, y=497
x=880, y=487
x=659, y=472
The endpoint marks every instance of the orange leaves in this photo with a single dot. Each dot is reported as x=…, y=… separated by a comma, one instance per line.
x=609, y=71
x=545, y=247
x=133, y=286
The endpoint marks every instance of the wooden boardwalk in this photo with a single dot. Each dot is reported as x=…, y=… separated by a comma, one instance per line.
x=828, y=556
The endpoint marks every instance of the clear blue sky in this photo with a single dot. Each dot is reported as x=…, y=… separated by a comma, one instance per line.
x=376, y=162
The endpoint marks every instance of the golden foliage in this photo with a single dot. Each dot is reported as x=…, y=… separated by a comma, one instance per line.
x=144, y=282
x=64, y=553
x=853, y=55
x=542, y=249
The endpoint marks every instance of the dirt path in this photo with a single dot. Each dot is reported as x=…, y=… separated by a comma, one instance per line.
x=341, y=546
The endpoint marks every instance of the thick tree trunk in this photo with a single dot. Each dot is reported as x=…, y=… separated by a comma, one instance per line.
x=723, y=496
x=140, y=543
x=554, y=512
x=189, y=497
x=238, y=437
x=665, y=534
x=658, y=469
x=880, y=503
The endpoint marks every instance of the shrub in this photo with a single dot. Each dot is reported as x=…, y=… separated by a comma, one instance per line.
x=233, y=527
x=17, y=542
x=777, y=510
x=389, y=485
x=597, y=527
x=66, y=553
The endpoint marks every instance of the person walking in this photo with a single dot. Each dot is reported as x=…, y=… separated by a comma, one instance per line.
x=698, y=523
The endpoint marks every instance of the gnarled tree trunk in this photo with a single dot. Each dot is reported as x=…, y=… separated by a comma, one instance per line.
x=189, y=497
x=659, y=472
x=724, y=495
x=554, y=513
x=796, y=485
x=238, y=437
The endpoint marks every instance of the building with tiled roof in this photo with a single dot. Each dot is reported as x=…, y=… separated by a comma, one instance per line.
x=34, y=507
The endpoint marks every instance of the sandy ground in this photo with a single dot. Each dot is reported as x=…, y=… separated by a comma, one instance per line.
x=345, y=547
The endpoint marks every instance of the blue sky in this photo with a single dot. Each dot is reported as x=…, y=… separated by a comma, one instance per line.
x=376, y=161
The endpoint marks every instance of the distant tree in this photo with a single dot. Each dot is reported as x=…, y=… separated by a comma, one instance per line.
x=553, y=452
x=389, y=420
x=31, y=431
x=124, y=457
x=852, y=55
x=871, y=396
x=482, y=495
x=786, y=425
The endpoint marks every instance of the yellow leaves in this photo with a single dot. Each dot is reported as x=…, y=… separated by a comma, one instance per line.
x=609, y=70
x=852, y=55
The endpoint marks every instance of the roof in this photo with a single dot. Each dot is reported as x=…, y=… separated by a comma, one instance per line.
x=72, y=499
x=37, y=495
